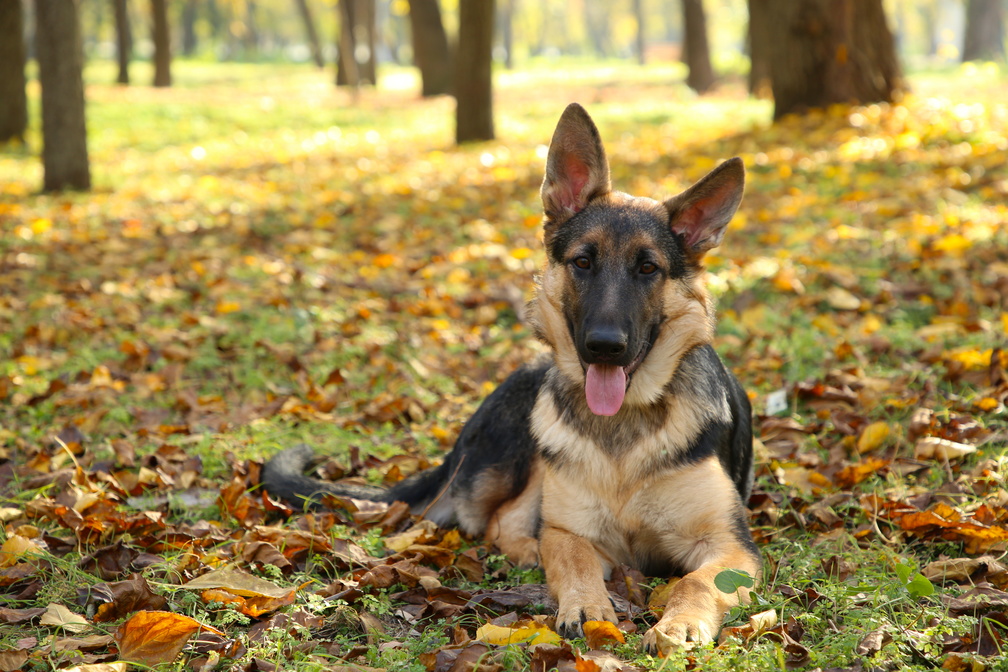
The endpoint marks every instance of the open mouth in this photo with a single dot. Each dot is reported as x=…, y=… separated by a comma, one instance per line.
x=606, y=384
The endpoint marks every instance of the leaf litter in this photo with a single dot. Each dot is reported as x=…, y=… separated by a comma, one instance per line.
x=363, y=289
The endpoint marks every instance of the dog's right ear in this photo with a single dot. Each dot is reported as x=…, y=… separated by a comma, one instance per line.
x=576, y=166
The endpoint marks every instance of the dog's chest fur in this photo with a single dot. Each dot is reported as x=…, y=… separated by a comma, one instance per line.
x=625, y=481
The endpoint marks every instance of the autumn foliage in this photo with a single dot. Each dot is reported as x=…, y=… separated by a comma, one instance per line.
x=240, y=282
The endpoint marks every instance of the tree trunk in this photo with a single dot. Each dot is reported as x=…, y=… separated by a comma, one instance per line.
x=757, y=36
x=311, y=32
x=505, y=16
x=124, y=40
x=64, y=133
x=638, y=10
x=473, y=82
x=430, y=47
x=189, y=12
x=13, y=101
x=984, y=38
x=251, y=36
x=162, y=43
x=598, y=24
x=347, y=72
x=367, y=27
x=823, y=52
x=696, y=50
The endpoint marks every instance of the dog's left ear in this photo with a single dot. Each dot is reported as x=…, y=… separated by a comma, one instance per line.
x=701, y=213
x=576, y=167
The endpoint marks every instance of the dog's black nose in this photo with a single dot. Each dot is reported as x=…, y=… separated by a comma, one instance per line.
x=606, y=342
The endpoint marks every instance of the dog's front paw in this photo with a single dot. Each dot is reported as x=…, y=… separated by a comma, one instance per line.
x=680, y=631
x=572, y=615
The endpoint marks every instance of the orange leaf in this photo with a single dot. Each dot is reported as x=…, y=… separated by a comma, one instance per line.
x=152, y=637
x=585, y=665
x=601, y=633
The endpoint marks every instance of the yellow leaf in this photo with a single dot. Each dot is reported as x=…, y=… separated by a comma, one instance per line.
x=61, y=617
x=521, y=253
x=987, y=404
x=763, y=621
x=16, y=549
x=954, y=243
x=225, y=307
x=41, y=225
x=530, y=632
x=840, y=299
x=872, y=437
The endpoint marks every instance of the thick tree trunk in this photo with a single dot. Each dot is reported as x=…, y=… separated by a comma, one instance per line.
x=984, y=38
x=162, y=43
x=473, y=82
x=311, y=32
x=64, y=133
x=430, y=47
x=13, y=101
x=347, y=72
x=124, y=40
x=823, y=52
x=367, y=27
x=757, y=35
x=696, y=50
x=357, y=43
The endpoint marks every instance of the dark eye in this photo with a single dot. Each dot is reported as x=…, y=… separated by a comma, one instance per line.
x=584, y=263
x=647, y=268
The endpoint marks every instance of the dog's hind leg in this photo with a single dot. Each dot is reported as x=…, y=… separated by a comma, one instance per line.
x=513, y=526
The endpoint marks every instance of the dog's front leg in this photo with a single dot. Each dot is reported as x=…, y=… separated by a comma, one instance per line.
x=696, y=607
x=576, y=579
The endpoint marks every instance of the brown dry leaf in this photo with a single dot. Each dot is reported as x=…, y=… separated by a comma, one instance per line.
x=851, y=475
x=153, y=637
x=237, y=582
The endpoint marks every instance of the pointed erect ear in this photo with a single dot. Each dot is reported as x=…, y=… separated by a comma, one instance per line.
x=576, y=166
x=701, y=213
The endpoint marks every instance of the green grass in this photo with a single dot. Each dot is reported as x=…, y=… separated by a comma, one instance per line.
x=253, y=230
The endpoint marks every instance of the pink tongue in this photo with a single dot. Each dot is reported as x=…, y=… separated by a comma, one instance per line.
x=605, y=387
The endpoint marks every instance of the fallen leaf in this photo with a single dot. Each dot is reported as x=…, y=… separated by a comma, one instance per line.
x=153, y=637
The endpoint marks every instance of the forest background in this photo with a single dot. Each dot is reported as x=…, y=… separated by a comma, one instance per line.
x=261, y=257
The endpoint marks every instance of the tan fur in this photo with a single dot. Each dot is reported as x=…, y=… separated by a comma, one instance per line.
x=545, y=313
x=595, y=523
x=512, y=527
x=684, y=420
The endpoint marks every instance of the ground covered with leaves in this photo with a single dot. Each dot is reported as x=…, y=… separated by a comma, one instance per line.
x=266, y=262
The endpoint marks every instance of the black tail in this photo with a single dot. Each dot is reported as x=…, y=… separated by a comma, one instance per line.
x=283, y=477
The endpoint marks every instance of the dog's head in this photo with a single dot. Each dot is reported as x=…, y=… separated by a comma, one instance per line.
x=621, y=299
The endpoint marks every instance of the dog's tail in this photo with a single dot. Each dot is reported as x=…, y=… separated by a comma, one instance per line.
x=283, y=477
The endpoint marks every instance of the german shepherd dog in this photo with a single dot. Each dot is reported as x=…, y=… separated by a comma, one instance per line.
x=632, y=444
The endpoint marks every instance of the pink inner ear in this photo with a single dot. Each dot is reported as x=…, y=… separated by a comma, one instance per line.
x=576, y=177
x=692, y=223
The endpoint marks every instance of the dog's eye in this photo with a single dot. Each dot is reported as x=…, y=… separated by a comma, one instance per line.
x=647, y=268
x=584, y=263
